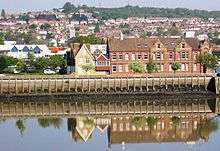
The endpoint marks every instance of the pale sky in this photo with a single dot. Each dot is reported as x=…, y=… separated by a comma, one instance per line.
x=27, y=5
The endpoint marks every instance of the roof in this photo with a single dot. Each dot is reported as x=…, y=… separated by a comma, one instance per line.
x=131, y=44
x=21, y=47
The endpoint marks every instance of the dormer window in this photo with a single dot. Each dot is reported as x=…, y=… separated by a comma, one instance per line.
x=158, y=45
x=139, y=45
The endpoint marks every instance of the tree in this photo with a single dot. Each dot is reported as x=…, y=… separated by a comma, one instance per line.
x=6, y=61
x=97, y=28
x=207, y=60
x=56, y=61
x=87, y=67
x=137, y=67
x=139, y=122
x=20, y=66
x=175, y=66
x=47, y=122
x=41, y=63
x=151, y=121
x=3, y=14
x=20, y=126
x=1, y=41
x=151, y=67
x=33, y=26
x=45, y=26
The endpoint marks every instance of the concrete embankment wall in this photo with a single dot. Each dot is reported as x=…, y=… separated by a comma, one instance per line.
x=90, y=85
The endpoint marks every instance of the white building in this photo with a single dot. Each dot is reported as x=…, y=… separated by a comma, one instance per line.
x=21, y=51
x=102, y=48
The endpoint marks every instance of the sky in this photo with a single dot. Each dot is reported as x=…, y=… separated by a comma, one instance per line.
x=28, y=5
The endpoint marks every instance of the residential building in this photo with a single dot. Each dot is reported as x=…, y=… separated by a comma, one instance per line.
x=162, y=51
x=21, y=51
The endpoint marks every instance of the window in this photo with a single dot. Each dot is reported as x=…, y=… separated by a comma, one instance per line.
x=158, y=55
x=114, y=68
x=184, y=55
x=139, y=45
x=195, y=67
x=126, y=56
x=133, y=56
x=182, y=67
x=145, y=56
x=121, y=127
x=145, y=45
x=120, y=68
x=126, y=68
x=87, y=60
x=127, y=126
x=183, y=45
x=158, y=46
x=158, y=67
x=114, y=57
x=114, y=127
x=139, y=56
x=170, y=55
x=170, y=67
x=120, y=56
x=187, y=67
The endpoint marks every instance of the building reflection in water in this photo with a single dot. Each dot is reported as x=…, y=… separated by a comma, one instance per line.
x=158, y=129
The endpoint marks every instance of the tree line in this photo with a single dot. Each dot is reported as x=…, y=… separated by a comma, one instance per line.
x=31, y=64
x=137, y=11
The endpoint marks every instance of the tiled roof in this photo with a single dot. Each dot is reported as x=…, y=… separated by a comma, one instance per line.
x=143, y=44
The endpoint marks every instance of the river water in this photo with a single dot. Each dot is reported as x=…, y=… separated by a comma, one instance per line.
x=165, y=131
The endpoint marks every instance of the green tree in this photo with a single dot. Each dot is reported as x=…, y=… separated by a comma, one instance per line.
x=137, y=67
x=56, y=61
x=33, y=26
x=151, y=121
x=207, y=60
x=41, y=63
x=139, y=122
x=206, y=127
x=175, y=66
x=151, y=67
x=45, y=26
x=20, y=126
x=47, y=122
x=6, y=61
x=1, y=41
x=97, y=28
x=20, y=66
x=87, y=67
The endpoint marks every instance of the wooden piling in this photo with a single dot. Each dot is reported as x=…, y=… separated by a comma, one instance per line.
x=16, y=86
x=63, y=85
x=1, y=86
x=42, y=85
x=29, y=85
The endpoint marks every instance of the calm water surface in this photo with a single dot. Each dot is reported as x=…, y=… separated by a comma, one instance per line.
x=159, y=132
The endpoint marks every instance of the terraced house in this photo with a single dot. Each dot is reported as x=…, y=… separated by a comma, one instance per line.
x=162, y=51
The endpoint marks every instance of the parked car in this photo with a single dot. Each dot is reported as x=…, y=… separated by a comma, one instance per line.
x=49, y=71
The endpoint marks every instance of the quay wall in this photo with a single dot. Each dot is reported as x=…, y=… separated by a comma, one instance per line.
x=24, y=85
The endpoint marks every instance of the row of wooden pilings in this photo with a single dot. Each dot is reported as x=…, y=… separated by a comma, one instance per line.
x=54, y=85
x=60, y=108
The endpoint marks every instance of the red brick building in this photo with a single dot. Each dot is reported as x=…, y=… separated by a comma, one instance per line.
x=162, y=51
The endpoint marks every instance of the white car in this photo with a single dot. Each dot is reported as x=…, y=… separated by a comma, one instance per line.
x=49, y=71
